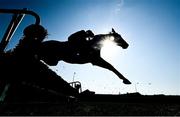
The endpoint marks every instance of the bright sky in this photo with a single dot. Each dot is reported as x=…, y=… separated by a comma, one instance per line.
x=151, y=27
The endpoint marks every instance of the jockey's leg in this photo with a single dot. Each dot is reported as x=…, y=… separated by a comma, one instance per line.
x=104, y=64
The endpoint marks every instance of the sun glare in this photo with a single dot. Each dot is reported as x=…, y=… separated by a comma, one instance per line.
x=109, y=49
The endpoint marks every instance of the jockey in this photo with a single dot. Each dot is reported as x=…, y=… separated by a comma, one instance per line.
x=80, y=36
x=79, y=41
x=32, y=38
x=13, y=62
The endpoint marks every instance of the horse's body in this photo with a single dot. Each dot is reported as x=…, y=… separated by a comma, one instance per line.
x=53, y=51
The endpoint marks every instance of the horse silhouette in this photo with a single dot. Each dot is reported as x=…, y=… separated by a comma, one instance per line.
x=51, y=52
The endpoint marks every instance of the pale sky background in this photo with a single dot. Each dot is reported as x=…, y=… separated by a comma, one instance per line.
x=151, y=27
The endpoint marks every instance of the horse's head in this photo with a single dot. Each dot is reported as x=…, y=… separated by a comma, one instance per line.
x=118, y=39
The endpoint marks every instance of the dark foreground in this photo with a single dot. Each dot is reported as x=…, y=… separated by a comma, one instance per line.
x=97, y=105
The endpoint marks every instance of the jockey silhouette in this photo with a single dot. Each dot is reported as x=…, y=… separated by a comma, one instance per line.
x=33, y=36
x=24, y=54
x=80, y=41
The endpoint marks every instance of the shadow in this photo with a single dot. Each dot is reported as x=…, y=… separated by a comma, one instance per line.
x=26, y=74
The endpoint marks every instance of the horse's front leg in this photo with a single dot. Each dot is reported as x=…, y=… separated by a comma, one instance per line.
x=104, y=64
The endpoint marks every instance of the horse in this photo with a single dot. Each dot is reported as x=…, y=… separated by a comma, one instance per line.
x=51, y=52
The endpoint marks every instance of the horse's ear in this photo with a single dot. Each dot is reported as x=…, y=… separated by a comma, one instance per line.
x=113, y=31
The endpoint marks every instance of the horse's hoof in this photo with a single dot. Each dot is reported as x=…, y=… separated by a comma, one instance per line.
x=126, y=81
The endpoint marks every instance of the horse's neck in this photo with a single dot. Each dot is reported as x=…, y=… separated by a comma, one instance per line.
x=96, y=42
x=97, y=38
x=101, y=37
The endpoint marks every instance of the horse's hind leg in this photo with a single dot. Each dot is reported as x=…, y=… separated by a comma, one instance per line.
x=104, y=64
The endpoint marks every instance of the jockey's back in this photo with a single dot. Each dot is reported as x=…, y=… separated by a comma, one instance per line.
x=80, y=37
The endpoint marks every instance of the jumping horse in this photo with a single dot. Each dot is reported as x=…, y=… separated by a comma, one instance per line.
x=51, y=52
